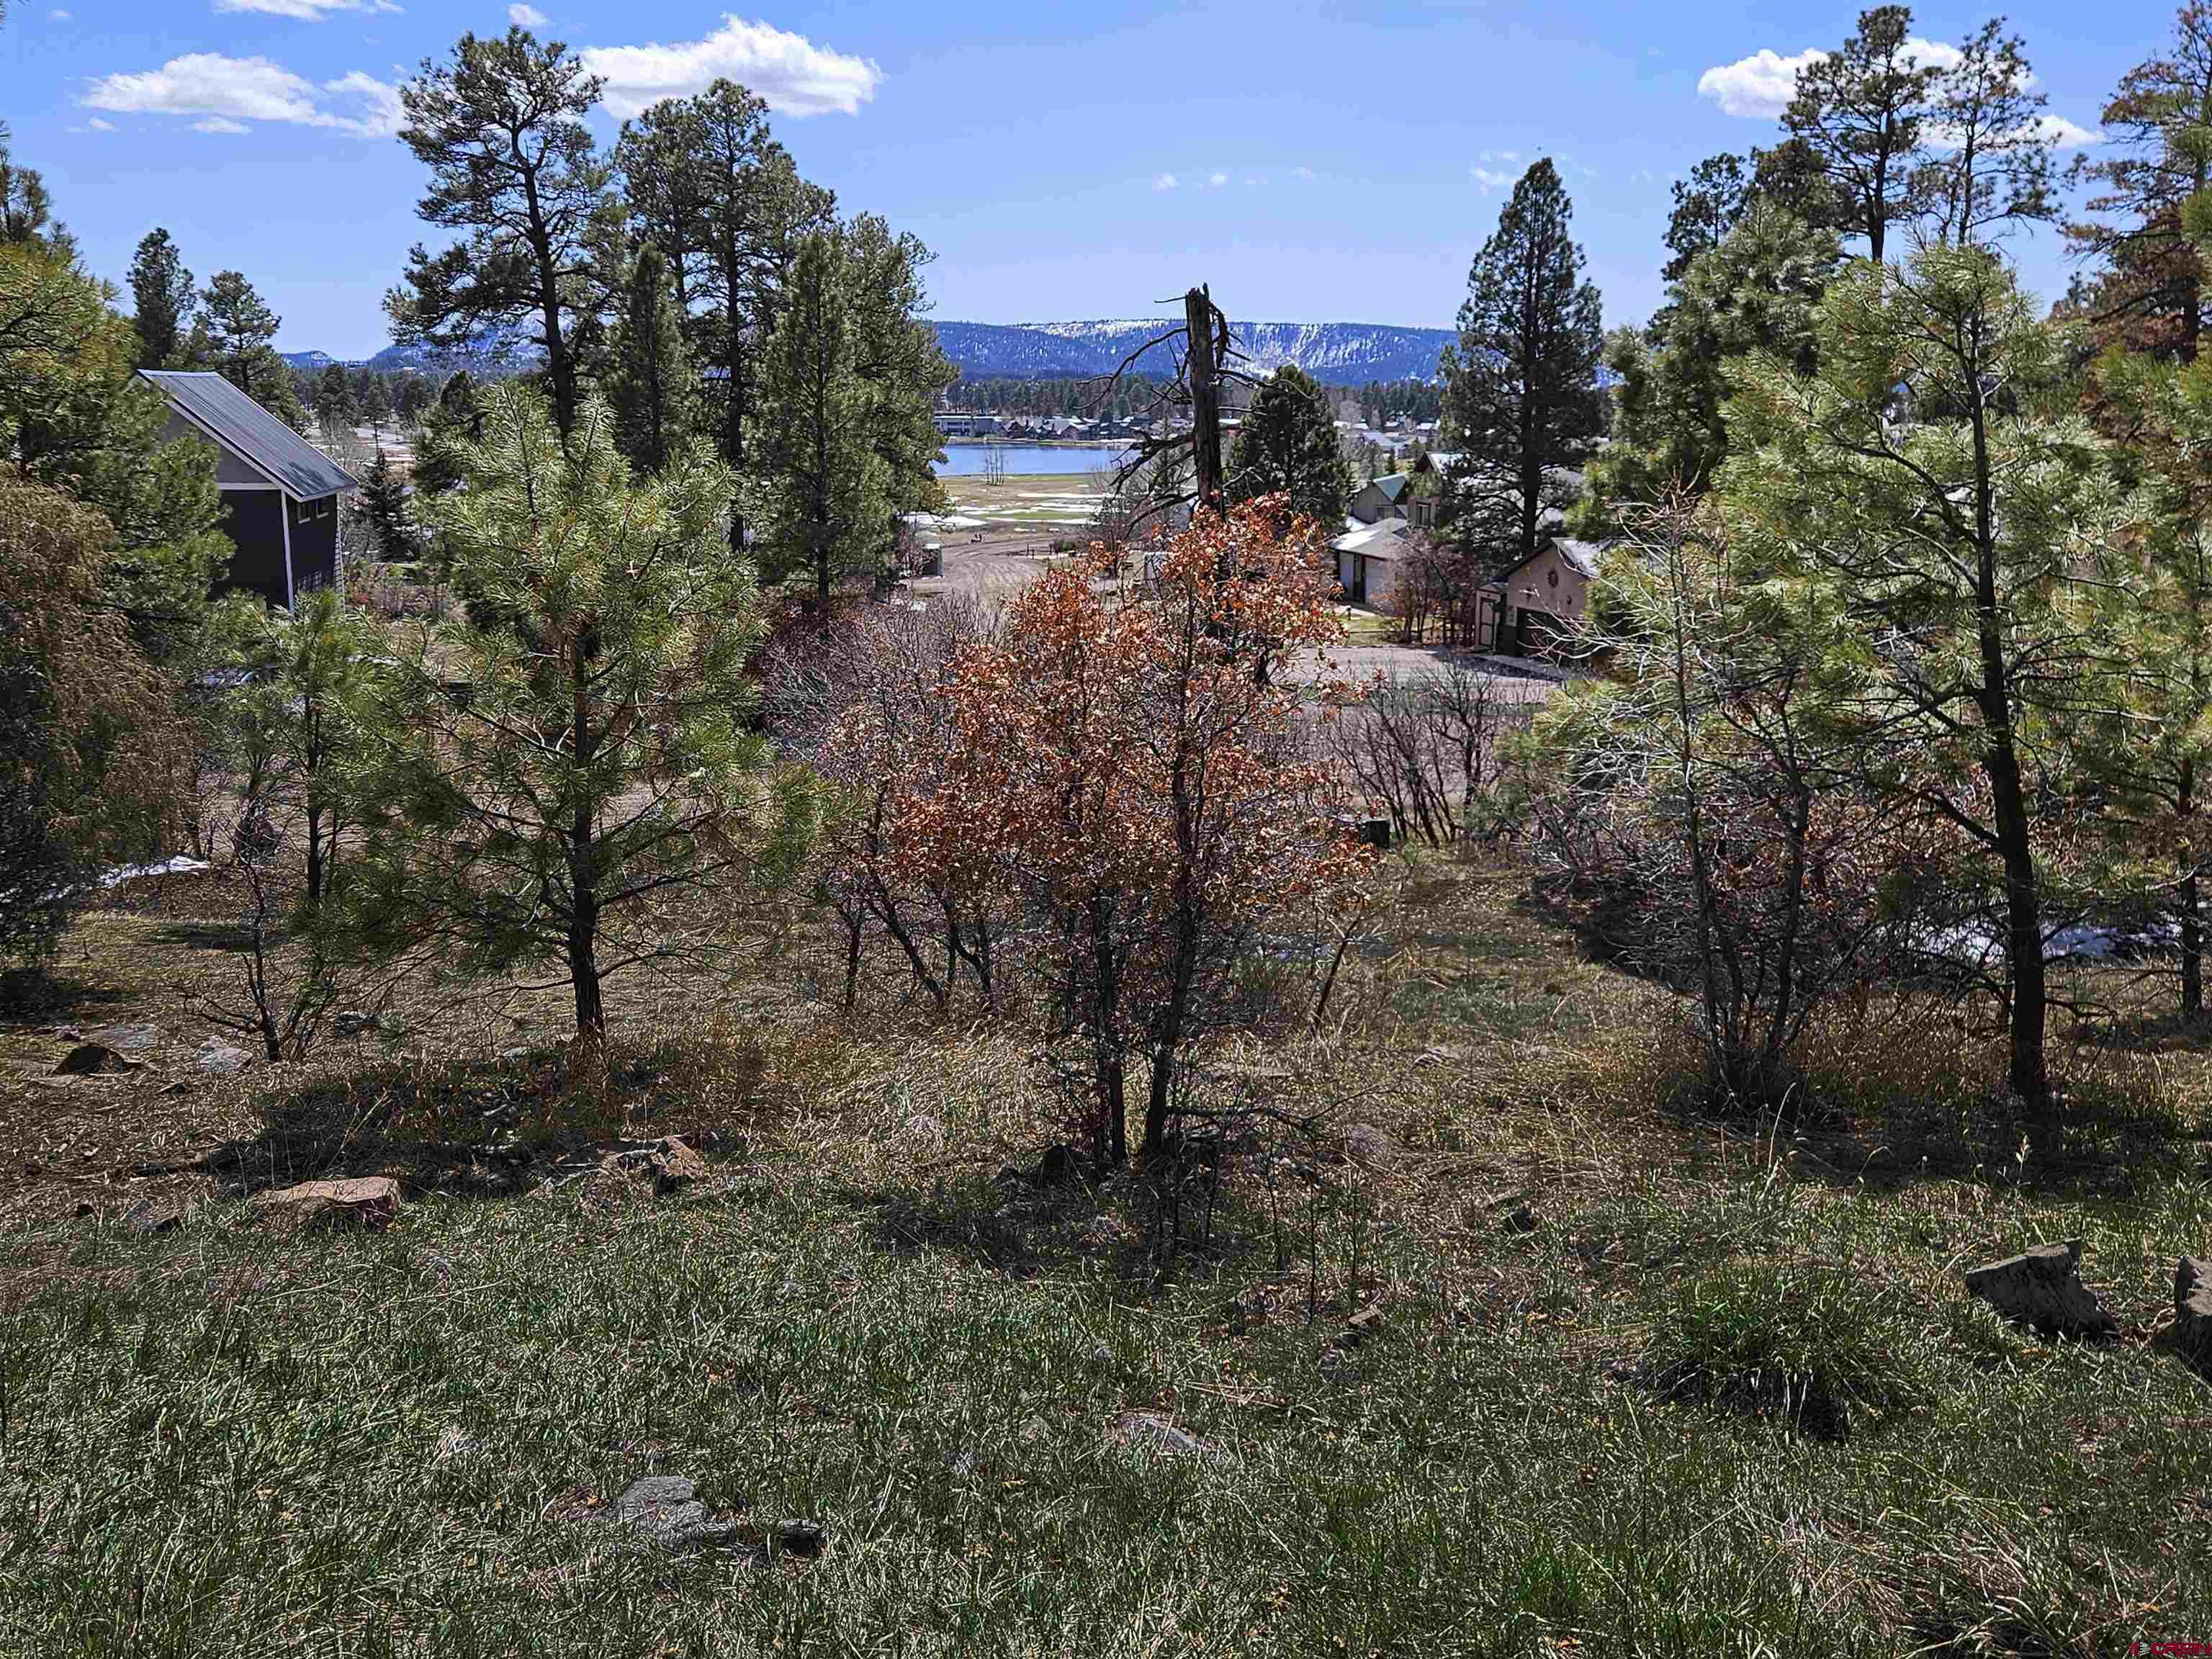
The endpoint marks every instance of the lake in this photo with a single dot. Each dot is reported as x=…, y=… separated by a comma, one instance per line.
x=1026, y=460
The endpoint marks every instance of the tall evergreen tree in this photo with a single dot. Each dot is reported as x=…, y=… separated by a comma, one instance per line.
x=1706, y=204
x=895, y=353
x=1756, y=291
x=1521, y=399
x=828, y=494
x=650, y=384
x=453, y=423
x=1862, y=110
x=334, y=400
x=236, y=329
x=163, y=297
x=1994, y=166
x=501, y=128
x=2149, y=294
x=1961, y=546
x=1286, y=445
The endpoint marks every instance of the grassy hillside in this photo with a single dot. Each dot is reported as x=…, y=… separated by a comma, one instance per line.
x=1623, y=1381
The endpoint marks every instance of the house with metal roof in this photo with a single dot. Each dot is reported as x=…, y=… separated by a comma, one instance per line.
x=280, y=493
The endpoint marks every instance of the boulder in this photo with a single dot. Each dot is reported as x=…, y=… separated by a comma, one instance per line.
x=366, y=1201
x=219, y=1058
x=352, y=1021
x=126, y=1039
x=2042, y=1290
x=2192, y=1311
x=665, y=1509
x=93, y=1060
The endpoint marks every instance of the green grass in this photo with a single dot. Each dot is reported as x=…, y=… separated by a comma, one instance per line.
x=1581, y=1426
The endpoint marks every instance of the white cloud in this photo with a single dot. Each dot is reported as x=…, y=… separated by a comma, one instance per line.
x=58, y=15
x=2064, y=134
x=527, y=17
x=1489, y=180
x=307, y=11
x=228, y=91
x=1760, y=87
x=1164, y=181
x=1215, y=180
x=1510, y=158
x=793, y=74
x=1306, y=173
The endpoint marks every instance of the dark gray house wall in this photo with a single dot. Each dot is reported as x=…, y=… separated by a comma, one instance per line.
x=254, y=521
x=314, y=543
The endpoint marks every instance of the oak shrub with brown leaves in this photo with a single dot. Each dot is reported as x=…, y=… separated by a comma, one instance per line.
x=1118, y=764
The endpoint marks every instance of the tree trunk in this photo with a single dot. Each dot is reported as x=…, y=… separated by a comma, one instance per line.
x=2189, y=903
x=1106, y=1000
x=314, y=852
x=1205, y=397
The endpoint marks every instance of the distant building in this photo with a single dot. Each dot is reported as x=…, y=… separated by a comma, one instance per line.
x=280, y=493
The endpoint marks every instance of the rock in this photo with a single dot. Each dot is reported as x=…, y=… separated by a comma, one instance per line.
x=221, y=1060
x=93, y=1060
x=1150, y=1432
x=664, y=1508
x=2192, y=1311
x=1362, y=1326
x=2042, y=1290
x=367, y=1201
x=149, y=1217
x=126, y=1039
x=804, y=1538
x=352, y=1021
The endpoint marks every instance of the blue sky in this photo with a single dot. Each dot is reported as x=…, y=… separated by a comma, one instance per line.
x=1333, y=163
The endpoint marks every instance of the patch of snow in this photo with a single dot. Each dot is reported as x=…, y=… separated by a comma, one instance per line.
x=180, y=865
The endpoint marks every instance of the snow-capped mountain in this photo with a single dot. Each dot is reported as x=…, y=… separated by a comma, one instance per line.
x=1335, y=354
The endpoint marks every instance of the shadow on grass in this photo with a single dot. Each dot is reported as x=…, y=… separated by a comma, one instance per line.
x=29, y=996
x=228, y=936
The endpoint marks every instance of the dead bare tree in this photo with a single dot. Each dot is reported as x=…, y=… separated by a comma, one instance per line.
x=1182, y=465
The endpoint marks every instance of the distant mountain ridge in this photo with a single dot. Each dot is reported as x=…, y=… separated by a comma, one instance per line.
x=1335, y=354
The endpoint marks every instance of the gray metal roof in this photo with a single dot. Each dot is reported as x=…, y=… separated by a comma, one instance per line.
x=240, y=424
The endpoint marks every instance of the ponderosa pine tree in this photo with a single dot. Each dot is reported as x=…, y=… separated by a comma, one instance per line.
x=1286, y=445
x=602, y=773
x=334, y=399
x=1520, y=399
x=895, y=353
x=1862, y=112
x=501, y=127
x=2149, y=296
x=1994, y=166
x=163, y=297
x=76, y=415
x=1960, y=543
x=235, y=330
x=827, y=496
x=650, y=385
x=1758, y=291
